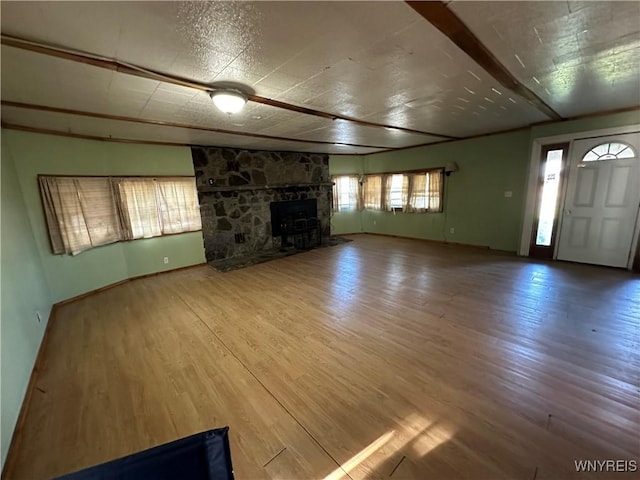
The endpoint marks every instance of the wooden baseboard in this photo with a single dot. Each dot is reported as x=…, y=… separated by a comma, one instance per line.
x=9, y=463
x=39, y=363
x=203, y=264
x=121, y=282
x=443, y=243
x=90, y=293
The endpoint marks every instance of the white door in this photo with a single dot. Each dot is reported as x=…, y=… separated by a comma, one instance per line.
x=602, y=201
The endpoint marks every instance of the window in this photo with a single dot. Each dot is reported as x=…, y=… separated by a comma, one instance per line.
x=80, y=213
x=178, y=205
x=397, y=190
x=417, y=192
x=372, y=192
x=553, y=158
x=346, y=193
x=411, y=192
x=86, y=212
x=609, y=151
x=139, y=207
x=426, y=191
x=549, y=197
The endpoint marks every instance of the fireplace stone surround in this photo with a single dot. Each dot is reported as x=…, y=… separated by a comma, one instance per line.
x=236, y=188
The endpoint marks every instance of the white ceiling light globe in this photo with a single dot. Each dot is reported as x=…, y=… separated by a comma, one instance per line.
x=228, y=101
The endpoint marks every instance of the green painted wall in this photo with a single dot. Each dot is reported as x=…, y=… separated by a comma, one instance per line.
x=346, y=164
x=343, y=223
x=24, y=292
x=475, y=203
x=68, y=276
x=146, y=256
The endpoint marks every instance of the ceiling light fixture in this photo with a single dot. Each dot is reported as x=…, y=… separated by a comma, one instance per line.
x=228, y=101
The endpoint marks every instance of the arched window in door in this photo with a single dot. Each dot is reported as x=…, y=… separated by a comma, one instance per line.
x=609, y=151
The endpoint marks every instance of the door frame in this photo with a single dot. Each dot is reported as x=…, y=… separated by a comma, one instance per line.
x=533, y=177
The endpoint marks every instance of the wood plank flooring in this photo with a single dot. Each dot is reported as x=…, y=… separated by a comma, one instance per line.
x=380, y=358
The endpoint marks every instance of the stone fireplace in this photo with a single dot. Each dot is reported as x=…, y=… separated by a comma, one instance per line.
x=236, y=189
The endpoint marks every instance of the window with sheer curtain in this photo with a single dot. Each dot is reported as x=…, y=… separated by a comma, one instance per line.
x=158, y=206
x=435, y=190
x=139, y=207
x=419, y=192
x=397, y=191
x=372, y=192
x=425, y=191
x=80, y=213
x=346, y=193
x=86, y=212
x=178, y=205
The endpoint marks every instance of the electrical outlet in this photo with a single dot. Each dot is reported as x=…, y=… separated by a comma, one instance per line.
x=38, y=316
x=375, y=222
x=508, y=194
x=166, y=259
x=452, y=230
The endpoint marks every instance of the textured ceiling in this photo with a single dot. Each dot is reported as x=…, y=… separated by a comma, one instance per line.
x=378, y=62
x=580, y=57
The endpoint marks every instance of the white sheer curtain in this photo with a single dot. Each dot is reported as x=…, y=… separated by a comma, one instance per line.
x=346, y=193
x=417, y=193
x=425, y=192
x=140, y=215
x=80, y=212
x=435, y=191
x=178, y=205
x=85, y=212
x=396, y=191
x=158, y=206
x=372, y=192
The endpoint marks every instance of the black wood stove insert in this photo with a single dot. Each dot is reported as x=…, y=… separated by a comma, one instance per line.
x=296, y=223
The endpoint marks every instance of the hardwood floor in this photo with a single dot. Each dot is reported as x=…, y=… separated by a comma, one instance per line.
x=379, y=358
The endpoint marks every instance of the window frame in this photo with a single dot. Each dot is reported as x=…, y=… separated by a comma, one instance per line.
x=614, y=156
x=356, y=205
x=113, y=179
x=432, y=170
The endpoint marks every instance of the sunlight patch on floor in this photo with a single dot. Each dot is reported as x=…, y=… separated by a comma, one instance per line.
x=430, y=439
x=415, y=431
x=360, y=457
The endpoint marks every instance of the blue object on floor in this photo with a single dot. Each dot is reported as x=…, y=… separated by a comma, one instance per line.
x=204, y=456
